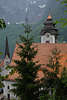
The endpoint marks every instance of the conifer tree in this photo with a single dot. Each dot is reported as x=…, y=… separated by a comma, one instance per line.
x=51, y=79
x=63, y=21
x=61, y=90
x=27, y=86
x=1, y=79
x=2, y=26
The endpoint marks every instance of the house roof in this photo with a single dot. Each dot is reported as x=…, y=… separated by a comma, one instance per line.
x=2, y=63
x=43, y=55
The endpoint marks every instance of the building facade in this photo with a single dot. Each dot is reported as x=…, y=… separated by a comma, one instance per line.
x=7, y=83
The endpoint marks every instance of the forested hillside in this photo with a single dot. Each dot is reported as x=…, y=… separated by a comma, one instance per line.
x=40, y=11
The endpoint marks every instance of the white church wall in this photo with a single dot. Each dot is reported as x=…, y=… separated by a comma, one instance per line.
x=50, y=39
x=6, y=61
x=4, y=70
x=6, y=89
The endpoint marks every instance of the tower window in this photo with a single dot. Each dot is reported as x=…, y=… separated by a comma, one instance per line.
x=8, y=87
x=8, y=96
x=1, y=90
x=47, y=35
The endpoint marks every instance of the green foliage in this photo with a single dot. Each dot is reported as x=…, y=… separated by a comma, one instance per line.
x=2, y=24
x=1, y=53
x=62, y=88
x=55, y=86
x=63, y=2
x=1, y=79
x=63, y=21
x=64, y=77
x=54, y=63
x=51, y=79
x=26, y=87
x=48, y=96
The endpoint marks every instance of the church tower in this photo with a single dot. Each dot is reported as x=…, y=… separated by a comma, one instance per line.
x=6, y=59
x=7, y=48
x=7, y=54
x=49, y=33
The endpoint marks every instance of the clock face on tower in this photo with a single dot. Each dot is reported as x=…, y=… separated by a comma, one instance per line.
x=47, y=35
x=47, y=38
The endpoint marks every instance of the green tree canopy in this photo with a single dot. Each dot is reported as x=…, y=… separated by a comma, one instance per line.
x=2, y=26
x=27, y=87
x=63, y=21
x=51, y=80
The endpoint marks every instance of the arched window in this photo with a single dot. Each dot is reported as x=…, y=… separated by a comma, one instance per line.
x=8, y=96
x=8, y=87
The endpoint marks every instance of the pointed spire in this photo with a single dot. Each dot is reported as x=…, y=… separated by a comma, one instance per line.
x=27, y=15
x=7, y=48
x=49, y=15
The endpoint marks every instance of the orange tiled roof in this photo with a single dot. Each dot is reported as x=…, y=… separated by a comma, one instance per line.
x=2, y=63
x=12, y=77
x=44, y=51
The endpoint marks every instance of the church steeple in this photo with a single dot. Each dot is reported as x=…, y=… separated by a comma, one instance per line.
x=7, y=48
x=49, y=33
x=49, y=16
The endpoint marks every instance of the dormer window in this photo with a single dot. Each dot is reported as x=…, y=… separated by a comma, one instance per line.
x=8, y=87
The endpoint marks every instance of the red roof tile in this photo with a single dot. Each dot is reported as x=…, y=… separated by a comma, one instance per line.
x=44, y=52
x=2, y=63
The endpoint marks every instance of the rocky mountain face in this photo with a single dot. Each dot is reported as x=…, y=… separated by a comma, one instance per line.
x=15, y=11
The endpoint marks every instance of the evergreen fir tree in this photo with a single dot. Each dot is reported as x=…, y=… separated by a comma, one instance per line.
x=61, y=90
x=27, y=86
x=1, y=79
x=2, y=26
x=63, y=21
x=51, y=79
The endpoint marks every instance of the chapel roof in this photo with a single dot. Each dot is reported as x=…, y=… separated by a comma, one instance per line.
x=43, y=55
x=2, y=63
